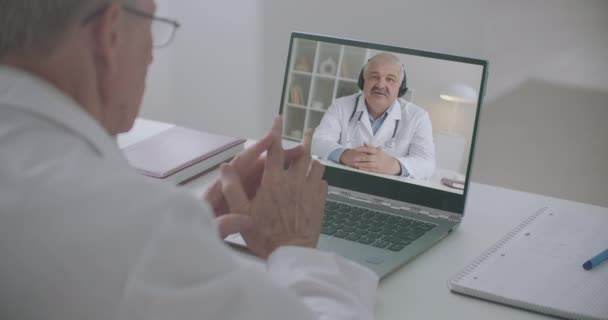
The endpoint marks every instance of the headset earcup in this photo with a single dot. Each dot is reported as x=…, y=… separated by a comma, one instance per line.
x=403, y=87
x=361, y=81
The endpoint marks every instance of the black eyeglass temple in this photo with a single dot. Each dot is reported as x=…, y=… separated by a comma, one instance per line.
x=94, y=15
x=101, y=10
x=150, y=16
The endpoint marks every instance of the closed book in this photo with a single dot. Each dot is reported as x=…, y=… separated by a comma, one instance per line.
x=175, y=153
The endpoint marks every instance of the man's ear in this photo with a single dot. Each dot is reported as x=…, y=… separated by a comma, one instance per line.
x=105, y=32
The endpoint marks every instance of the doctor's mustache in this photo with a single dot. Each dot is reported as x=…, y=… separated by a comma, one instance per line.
x=380, y=91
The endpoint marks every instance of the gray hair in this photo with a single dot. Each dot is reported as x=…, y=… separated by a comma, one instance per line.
x=40, y=24
x=385, y=56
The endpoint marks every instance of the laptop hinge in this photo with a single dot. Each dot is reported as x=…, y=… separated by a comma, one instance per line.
x=431, y=213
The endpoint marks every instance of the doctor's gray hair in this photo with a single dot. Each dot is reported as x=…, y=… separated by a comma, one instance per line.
x=387, y=56
x=38, y=25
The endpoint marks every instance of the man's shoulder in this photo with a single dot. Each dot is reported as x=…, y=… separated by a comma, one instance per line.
x=93, y=186
x=42, y=158
x=27, y=139
x=344, y=104
x=349, y=100
x=412, y=108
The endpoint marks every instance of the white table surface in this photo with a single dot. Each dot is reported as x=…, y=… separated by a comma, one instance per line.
x=418, y=290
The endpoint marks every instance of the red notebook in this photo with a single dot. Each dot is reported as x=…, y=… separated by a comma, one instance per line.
x=178, y=154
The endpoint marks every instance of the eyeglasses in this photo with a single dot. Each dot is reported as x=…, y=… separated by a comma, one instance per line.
x=163, y=29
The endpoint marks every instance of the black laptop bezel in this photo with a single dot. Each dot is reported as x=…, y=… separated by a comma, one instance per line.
x=389, y=188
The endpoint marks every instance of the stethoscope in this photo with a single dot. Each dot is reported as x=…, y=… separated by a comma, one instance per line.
x=390, y=144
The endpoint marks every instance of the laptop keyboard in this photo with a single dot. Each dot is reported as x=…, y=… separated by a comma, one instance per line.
x=371, y=227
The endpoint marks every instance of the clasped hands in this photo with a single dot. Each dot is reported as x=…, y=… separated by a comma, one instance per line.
x=372, y=159
x=273, y=200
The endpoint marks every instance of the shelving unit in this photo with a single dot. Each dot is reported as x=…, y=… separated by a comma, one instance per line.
x=319, y=73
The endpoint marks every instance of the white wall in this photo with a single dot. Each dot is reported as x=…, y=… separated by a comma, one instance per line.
x=543, y=122
x=533, y=141
x=210, y=76
x=429, y=77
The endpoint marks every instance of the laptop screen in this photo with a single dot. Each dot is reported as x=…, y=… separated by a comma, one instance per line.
x=389, y=121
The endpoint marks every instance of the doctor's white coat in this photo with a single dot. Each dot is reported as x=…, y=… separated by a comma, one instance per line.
x=83, y=236
x=414, y=147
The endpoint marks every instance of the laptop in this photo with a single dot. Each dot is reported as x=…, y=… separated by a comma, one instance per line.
x=383, y=220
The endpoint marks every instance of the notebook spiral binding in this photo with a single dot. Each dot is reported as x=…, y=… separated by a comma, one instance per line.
x=479, y=260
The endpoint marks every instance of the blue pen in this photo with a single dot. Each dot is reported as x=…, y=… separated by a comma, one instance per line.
x=593, y=262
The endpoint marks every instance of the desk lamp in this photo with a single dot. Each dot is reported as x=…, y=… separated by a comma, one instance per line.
x=458, y=94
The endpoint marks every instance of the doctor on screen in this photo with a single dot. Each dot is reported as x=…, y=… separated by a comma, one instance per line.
x=377, y=131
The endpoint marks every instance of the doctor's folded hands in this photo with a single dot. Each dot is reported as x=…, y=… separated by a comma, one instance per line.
x=84, y=236
x=373, y=159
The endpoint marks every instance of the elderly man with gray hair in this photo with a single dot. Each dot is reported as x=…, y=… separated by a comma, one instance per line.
x=377, y=130
x=83, y=236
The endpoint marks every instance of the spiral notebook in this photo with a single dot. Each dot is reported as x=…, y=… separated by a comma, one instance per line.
x=538, y=267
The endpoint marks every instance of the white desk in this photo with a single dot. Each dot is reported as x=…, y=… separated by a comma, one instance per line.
x=434, y=182
x=419, y=289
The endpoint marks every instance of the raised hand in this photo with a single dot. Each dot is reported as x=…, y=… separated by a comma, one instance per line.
x=288, y=206
x=249, y=167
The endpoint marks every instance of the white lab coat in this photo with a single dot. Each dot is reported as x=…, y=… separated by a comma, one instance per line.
x=83, y=236
x=414, y=147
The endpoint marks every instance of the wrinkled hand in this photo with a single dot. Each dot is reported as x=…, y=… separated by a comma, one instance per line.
x=288, y=206
x=249, y=166
x=349, y=155
x=374, y=159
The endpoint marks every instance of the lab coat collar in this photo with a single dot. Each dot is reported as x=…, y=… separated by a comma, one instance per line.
x=394, y=113
x=362, y=106
x=22, y=90
x=388, y=125
x=394, y=110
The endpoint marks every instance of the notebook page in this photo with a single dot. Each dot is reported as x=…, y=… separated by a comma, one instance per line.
x=542, y=265
x=142, y=129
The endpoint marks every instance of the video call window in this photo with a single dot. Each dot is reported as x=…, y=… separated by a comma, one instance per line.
x=365, y=121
